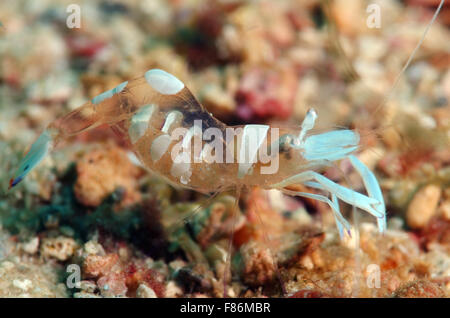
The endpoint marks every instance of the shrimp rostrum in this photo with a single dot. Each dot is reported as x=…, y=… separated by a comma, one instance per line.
x=176, y=138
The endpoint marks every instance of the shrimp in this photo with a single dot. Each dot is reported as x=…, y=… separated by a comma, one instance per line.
x=176, y=138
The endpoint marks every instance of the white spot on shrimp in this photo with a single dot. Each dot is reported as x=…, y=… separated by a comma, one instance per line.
x=140, y=122
x=171, y=118
x=159, y=147
x=181, y=168
x=163, y=82
x=252, y=139
x=108, y=94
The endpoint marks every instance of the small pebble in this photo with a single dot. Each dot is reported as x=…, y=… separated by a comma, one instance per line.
x=31, y=247
x=7, y=265
x=61, y=248
x=88, y=286
x=144, y=291
x=307, y=262
x=23, y=284
x=93, y=248
x=86, y=295
x=173, y=290
x=444, y=210
x=395, y=223
x=423, y=206
x=419, y=289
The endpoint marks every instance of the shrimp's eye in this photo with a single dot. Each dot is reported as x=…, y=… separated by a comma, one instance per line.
x=288, y=141
x=285, y=143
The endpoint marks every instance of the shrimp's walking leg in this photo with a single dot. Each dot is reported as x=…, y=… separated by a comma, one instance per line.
x=374, y=203
x=351, y=197
x=341, y=222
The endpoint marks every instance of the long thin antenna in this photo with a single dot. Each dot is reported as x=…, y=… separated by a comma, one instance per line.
x=351, y=72
x=358, y=265
x=411, y=56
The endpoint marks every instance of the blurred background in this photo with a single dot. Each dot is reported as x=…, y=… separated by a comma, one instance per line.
x=255, y=61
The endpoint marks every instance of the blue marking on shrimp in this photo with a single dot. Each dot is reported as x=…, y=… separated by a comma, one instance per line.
x=108, y=94
x=333, y=145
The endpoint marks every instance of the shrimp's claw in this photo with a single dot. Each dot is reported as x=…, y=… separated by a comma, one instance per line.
x=373, y=203
x=373, y=189
x=13, y=182
x=38, y=151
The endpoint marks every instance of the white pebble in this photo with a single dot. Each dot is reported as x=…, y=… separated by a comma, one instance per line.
x=23, y=284
x=31, y=246
x=144, y=291
x=7, y=265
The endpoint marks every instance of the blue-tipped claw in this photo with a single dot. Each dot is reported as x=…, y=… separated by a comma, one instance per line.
x=13, y=182
x=38, y=151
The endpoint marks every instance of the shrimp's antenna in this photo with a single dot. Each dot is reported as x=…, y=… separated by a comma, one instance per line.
x=358, y=265
x=351, y=73
x=184, y=219
x=411, y=56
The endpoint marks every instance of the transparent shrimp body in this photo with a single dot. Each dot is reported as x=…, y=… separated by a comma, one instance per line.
x=175, y=137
